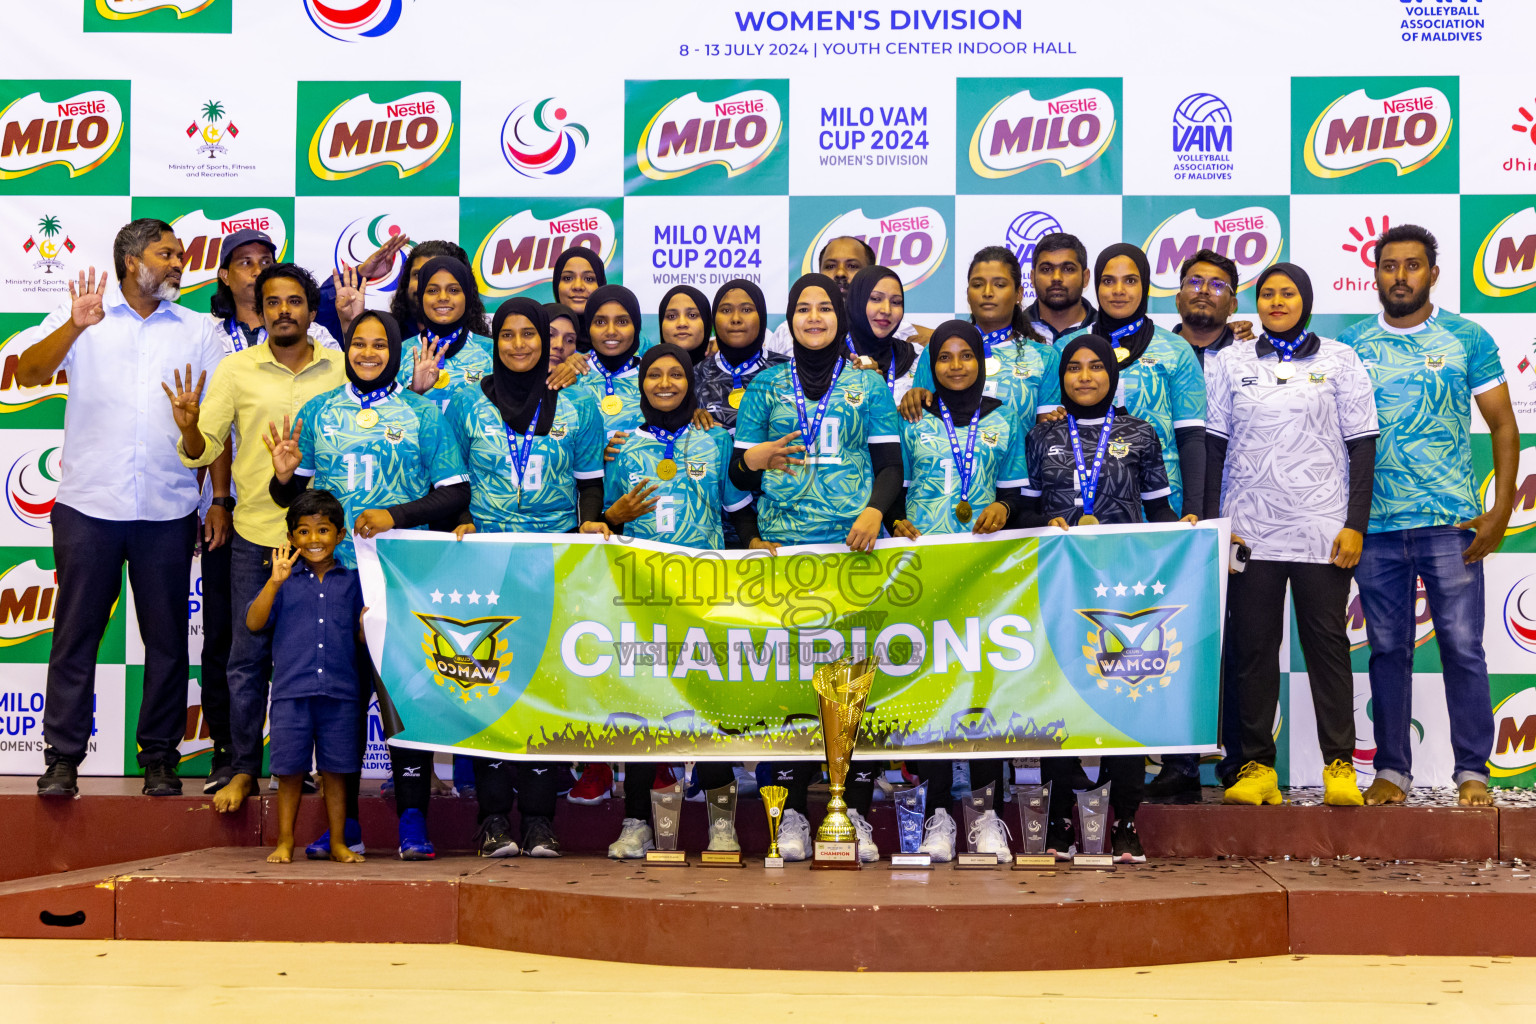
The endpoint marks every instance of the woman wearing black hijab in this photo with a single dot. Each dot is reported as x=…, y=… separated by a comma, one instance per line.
x=578, y=272
x=1160, y=380
x=452, y=352
x=386, y=453
x=685, y=322
x=612, y=323
x=964, y=466
x=1119, y=461
x=876, y=302
x=564, y=330
x=740, y=321
x=1291, y=457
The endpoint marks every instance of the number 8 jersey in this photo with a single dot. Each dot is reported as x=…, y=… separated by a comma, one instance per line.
x=818, y=503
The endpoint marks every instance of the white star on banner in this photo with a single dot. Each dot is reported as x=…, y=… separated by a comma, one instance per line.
x=1159, y=587
x=1140, y=588
x=492, y=597
x=437, y=597
x=1101, y=590
x=474, y=597
x=453, y=597
x=1120, y=589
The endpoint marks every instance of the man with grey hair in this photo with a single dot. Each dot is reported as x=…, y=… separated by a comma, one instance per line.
x=124, y=495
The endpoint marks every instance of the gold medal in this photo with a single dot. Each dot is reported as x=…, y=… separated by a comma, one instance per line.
x=442, y=378
x=612, y=405
x=666, y=469
x=736, y=396
x=963, y=511
x=1285, y=371
x=366, y=418
x=993, y=365
x=1088, y=520
x=1120, y=354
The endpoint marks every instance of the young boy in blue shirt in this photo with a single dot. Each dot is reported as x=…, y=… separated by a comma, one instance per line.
x=317, y=701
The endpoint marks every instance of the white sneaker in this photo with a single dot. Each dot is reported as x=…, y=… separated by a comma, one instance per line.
x=634, y=839
x=939, y=837
x=722, y=836
x=794, y=836
x=990, y=835
x=868, y=851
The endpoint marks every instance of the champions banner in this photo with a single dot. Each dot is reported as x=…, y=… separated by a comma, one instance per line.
x=1101, y=641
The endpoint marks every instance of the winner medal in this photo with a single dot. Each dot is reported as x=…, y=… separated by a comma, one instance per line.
x=442, y=379
x=1285, y=371
x=1120, y=354
x=666, y=469
x=737, y=394
x=1088, y=520
x=963, y=512
x=612, y=405
x=993, y=365
x=366, y=418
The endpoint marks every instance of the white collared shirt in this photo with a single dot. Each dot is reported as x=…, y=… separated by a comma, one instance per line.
x=120, y=460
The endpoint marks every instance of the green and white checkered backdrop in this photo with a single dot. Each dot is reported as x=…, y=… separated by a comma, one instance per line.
x=694, y=141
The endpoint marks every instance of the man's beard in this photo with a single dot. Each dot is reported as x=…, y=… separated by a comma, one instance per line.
x=1201, y=321
x=165, y=291
x=280, y=342
x=1400, y=308
x=1058, y=305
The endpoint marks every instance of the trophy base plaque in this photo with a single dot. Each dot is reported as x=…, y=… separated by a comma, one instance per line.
x=922, y=861
x=975, y=861
x=773, y=862
x=836, y=856
x=1034, y=862
x=722, y=858
x=1094, y=861
x=667, y=858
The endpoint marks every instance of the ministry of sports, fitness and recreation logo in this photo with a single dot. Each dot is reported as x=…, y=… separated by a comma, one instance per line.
x=1056, y=129
x=1133, y=653
x=706, y=137
x=519, y=251
x=361, y=238
x=73, y=127
x=469, y=657
x=353, y=21
x=27, y=593
x=32, y=485
x=48, y=244
x=1251, y=236
x=203, y=16
x=539, y=140
x=1399, y=133
x=1202, y=138
x=207, y=127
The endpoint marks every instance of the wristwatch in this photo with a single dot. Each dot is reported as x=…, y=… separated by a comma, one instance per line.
x=224, y=503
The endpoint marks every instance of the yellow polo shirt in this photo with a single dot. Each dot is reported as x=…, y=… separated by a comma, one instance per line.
x=249, y=390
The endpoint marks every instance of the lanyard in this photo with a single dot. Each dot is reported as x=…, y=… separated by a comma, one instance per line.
x=890, y=371
x=964, y=464
x=522, y=452
x=667, y=438
x=373, y=396
x=237, y=334
x=811, y=432
x=1088, y=480
x=1286, y=350
x=997, y=337
x=1126, y=331
x=609, y=378
x=452, y=339
x=738, y=372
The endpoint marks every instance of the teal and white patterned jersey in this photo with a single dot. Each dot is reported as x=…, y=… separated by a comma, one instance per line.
x=818, y=503
x=400, y=458
x=933, y=482
x=544, y=500
x=626, y=388
x=1027, y=378
x=465, y=370
x=1165, y=387
x=689, y=506
x=1424, y=380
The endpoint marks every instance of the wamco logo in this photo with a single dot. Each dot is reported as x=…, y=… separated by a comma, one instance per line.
x=520, y=252
x=911, y=242
x=1019, y=132
x=737, y=132
x=79, y=133
x=1505, y=264
x=1250, y=237
x=407, y=134
x=1406, y=130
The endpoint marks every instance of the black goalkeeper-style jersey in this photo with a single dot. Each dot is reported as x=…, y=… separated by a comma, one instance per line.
x=712, y=382
x=1133, y=470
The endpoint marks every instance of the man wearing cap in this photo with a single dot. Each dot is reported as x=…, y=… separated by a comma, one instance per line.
x=245, y=255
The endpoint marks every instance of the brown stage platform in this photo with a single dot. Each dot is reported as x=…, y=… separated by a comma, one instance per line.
x=117, y=864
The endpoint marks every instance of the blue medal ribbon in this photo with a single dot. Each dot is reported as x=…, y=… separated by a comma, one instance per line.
x=965, y=464
x=373, y=396
x=1088, y=480
x=890, y=371
x=997, y=337
x=1286, y=350
x=452, y=339
x=738, y=372
x=521, y=453
x=237, y=334
x=667, y=438
x=811, y=433
x=1126, y=331
x=609, y=378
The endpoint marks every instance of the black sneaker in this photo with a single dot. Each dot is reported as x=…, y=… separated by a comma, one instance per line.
x=221, y=772
x=539, y=839
x=60, y=779
x=1058, y=839
x=495, y=837
x=161, y=780
x=1174, y=787
x=1125, y=844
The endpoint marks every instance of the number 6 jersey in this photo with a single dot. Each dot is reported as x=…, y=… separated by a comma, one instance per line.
x=688, y=506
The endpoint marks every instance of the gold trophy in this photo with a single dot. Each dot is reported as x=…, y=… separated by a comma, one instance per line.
x=773, y=802
x=842, y=688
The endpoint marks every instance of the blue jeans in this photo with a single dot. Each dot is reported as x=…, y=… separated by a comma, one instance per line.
x=250, y=656
x=1388, y=564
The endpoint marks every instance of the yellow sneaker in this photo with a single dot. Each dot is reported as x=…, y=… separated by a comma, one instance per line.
x=1339, y=786
x=1256, y=784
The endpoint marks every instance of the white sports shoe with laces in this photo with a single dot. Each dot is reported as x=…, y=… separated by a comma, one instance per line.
x=939, y=837
x=794, y=836
x=868, y=851
x=634, y=839
x=990, y=835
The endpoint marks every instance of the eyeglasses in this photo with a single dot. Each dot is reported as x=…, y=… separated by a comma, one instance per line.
x=1196, y=284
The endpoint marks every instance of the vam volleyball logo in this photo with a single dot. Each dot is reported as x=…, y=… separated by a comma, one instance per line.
x=202, y=239
x=1022, y=235
x=913, y=242
x=78, y=133
x=32, y=485
x=1506, y=260
x=1251, y=236
x=353, y=21
x=1399, y=126
x=361, y=238
x=520, y=251
x=408, y=134
x=737, y=132
x=1071, y=132
x=539, y=140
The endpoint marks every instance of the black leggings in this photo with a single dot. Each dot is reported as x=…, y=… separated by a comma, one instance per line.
x=939, y=774
x=534, y=784
x=798, y=776
x=640, y=776
x=1126, y=773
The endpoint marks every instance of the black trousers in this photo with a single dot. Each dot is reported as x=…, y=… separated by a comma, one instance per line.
x=218, y=623
x=639, y=776
x=89, y=554
x=1257, y=602
x=799, y=776
x=1126, y=774
x=534, y=784
x=940, y=774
